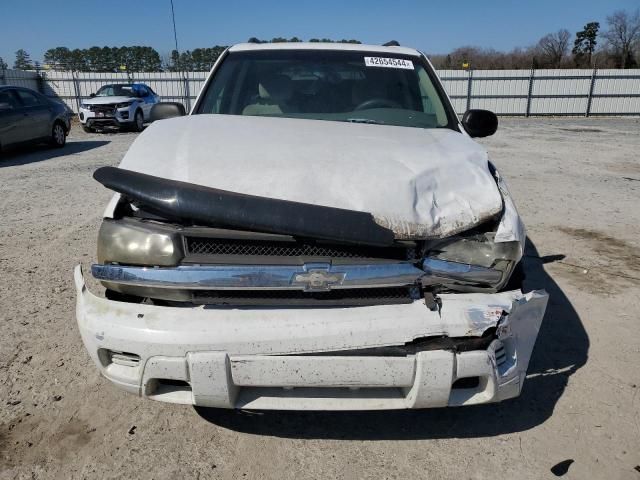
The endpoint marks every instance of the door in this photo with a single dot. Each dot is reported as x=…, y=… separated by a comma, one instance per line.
x=37, y=115
x=147, y=101
x=11, y=118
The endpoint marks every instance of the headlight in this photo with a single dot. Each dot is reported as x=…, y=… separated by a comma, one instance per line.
x=474, y=262
x=124, y=104
x=133, y=242
x=85, y=106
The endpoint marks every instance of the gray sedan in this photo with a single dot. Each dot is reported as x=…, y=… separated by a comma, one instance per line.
x=27, y=116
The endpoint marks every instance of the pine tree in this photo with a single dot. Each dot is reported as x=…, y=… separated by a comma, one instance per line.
x=23, y=61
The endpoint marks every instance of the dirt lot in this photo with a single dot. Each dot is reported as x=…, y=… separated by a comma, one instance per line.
x=577, y=184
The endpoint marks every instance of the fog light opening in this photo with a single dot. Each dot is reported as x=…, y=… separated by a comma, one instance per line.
x=124, y=359
x=466, y=383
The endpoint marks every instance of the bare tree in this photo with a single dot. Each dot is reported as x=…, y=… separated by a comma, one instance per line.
x=553, y=48
x=623, y=36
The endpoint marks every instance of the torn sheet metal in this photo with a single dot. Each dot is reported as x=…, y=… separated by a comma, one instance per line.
x=420, y=183
x=511, y=228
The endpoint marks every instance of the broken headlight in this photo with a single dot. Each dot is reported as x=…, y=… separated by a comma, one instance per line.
x=470, y=263
x=134, y=242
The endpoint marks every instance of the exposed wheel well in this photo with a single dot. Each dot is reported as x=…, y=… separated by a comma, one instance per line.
x=64, y=126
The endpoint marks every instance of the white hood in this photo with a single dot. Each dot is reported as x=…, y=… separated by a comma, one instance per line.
x=421, y=183
x=107, y=100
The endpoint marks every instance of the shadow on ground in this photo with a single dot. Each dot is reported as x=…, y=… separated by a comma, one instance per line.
x=561, y=349
x=39, y=153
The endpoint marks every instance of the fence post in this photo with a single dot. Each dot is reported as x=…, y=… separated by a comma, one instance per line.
x=594, y=73
x=38, y=78
x=469, y=84
x=187, y=93
x=529, y=92
x=76, y=90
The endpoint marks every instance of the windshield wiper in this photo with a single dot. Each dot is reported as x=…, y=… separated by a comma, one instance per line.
x=364, y=120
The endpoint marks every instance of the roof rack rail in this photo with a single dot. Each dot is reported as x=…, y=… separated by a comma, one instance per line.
x=392, y=43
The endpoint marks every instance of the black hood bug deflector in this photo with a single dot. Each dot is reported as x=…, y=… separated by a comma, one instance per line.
x=201, y=205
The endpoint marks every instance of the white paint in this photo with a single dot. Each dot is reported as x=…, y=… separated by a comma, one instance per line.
x=511, y=228
x=421, y=183
x=349, y=47
x=243, y=358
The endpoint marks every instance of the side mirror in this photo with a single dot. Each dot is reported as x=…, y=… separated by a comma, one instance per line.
x=480, y=123
x=164, y=110
x=91, y=95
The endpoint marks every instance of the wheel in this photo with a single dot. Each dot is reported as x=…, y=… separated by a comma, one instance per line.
x=87, y=129
x=58, y=135
x=138, y=122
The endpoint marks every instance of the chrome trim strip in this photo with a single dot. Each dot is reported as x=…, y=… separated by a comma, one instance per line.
x=443, y=271
x=308, y=277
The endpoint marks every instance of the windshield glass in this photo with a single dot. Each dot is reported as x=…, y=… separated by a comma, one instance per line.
x=115, y=91
x=348, y=86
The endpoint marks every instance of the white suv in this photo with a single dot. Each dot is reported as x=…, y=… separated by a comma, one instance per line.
x=126, y=106
x=321, y=233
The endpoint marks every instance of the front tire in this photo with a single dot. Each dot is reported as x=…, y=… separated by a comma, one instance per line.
x=138, y=121
x=58, y=135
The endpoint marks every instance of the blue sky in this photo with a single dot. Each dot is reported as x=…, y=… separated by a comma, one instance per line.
x=435, y=27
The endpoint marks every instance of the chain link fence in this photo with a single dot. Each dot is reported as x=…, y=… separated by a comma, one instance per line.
x=575, y=92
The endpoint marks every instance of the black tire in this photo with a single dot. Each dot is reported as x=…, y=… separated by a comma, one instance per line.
x=58, y=135
x=138, y=121
x=87, y=129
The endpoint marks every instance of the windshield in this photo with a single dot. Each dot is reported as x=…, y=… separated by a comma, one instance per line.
x=115, y=91
x=348, y=86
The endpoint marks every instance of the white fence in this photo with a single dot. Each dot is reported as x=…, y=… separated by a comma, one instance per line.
x=506, y=92
x=545, y=92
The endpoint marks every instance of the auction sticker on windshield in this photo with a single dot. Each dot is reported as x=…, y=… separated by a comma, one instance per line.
x=388, y=62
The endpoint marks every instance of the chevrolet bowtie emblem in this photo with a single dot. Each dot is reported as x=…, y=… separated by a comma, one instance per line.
x=317, y=278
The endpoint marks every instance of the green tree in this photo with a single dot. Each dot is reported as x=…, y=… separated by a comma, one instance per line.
x=57, y=58
x=3, y=64
x=585, y=43
x=23, y=61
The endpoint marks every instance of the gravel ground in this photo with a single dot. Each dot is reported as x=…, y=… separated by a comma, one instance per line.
x=577, y=184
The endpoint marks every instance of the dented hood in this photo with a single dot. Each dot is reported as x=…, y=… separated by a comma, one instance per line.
x=420, y=183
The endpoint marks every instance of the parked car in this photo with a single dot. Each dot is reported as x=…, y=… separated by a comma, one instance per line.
x=321, y=232
x=26, y=116
x=125, y=106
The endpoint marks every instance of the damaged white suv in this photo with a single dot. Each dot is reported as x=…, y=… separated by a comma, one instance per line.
x=321, y=232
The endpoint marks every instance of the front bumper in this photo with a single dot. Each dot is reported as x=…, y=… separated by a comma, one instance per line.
x=289, y=359
x=119, y=118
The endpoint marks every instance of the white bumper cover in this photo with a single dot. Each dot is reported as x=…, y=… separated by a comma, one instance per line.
x=91, y=117
x=281, y=358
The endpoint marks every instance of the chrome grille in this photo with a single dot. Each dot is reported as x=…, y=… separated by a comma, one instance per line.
x=223, y=247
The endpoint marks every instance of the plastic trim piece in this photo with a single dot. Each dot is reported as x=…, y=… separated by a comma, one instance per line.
x=184, y=201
